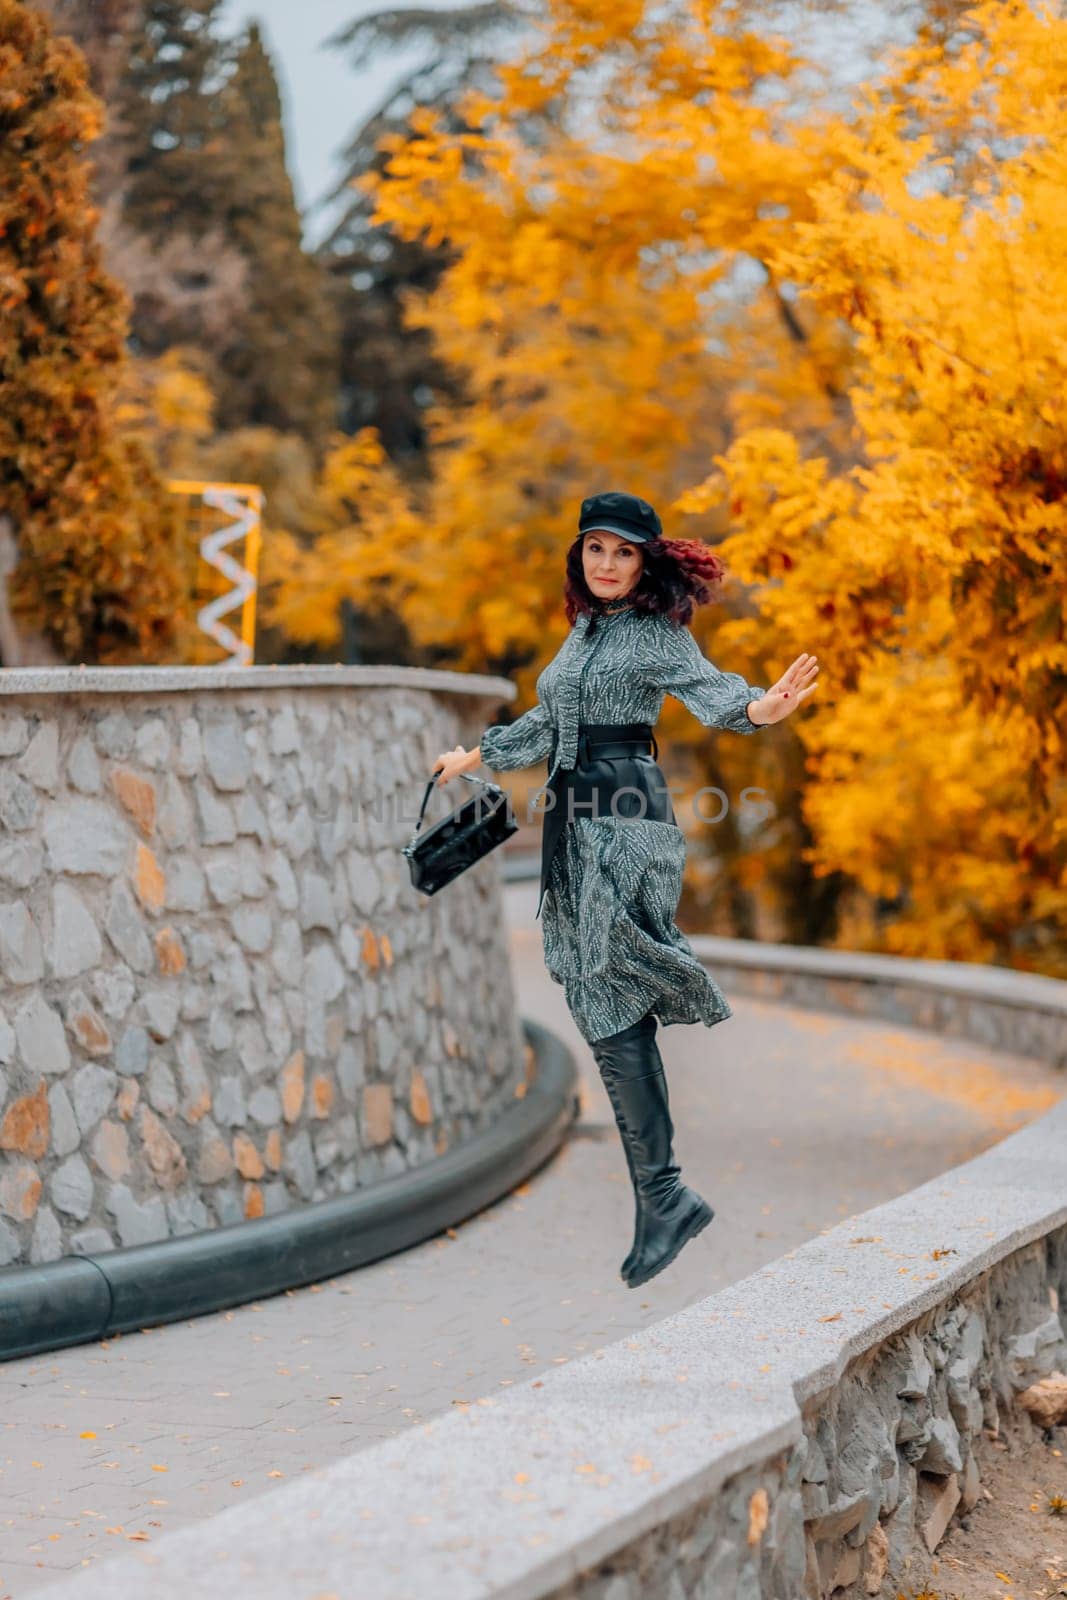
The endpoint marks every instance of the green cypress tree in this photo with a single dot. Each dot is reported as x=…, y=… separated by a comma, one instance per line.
x=281, y=370
x=205, y=159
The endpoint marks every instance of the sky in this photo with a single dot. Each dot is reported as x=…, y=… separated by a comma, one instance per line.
x=324, y=99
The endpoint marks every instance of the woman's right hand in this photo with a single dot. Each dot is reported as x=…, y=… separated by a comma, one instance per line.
x=452, y=762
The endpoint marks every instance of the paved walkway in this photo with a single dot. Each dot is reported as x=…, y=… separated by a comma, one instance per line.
x=788, y=1121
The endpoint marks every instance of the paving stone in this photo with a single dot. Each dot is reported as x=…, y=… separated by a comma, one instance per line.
x=91, y=1242
x=162, y=1088
x=230, y=1106
x=10, y=1245
x=114, y=991
x=223, y=874
x=46, y=1241
x=190, y=750
x=158, y=1010
x=186, y=886
x=253, y=927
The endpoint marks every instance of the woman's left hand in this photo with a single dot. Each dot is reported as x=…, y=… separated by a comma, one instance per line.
x=792, y=689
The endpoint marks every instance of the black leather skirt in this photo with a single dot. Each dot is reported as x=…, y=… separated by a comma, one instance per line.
x=616, y=774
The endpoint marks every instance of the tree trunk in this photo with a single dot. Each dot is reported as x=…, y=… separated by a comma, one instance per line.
x=18, y=646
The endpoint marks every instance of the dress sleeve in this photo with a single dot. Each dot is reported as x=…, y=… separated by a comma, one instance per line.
x=717, y=699
x=522, y=743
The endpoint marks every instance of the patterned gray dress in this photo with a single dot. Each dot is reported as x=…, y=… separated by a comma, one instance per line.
x=608, y=924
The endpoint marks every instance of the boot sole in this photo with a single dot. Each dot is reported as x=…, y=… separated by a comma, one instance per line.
x=698, y=1224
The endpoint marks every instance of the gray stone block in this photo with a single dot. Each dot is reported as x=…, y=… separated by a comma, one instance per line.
x=114, y=991
x=41, y=1037
x=299, y=1162
x=83, y=767
x=226, y=754
x=162, y=1089
x=138, y=1222
x=85, y=837
x=40, y=763
x=253, y=927
x=18, y=802
x=230, y=1107
x=10, y=1244
x=131, y=1056
x=74, y=945
x=93, y=1089
x=14, y=733
x=265, y=1106
x=91, y=1242
x=190, y=749
x=71, y=1188
x=316, y=903
x=114, y=735
x=65, y=1133
x=158, y=1010
x=152, y=744
x=46, y=1242
x=126, y=930
x=217, y=825
x=223, y=874
x=21, y=959
x=20, y=862
x=186, y=888
x=175, y=817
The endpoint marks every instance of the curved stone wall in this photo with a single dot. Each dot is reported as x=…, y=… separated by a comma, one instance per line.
x=220, y=995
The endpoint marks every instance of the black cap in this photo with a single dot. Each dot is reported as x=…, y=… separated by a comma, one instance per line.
x=624, y=514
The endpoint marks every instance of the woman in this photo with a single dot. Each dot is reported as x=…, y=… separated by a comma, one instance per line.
x=612, y=853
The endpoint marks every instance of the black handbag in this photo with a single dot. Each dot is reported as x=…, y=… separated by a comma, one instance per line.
x=460, y=839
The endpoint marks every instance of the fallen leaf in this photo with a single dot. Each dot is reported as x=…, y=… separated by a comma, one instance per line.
x=834, y=1317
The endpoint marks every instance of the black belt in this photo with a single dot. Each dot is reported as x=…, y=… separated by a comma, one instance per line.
x=614, y=739
x=597, y=741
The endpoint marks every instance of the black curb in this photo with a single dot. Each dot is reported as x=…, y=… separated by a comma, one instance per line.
x=81, y=1298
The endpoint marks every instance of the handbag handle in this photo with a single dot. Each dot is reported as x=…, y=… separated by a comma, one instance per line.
x=432, y=784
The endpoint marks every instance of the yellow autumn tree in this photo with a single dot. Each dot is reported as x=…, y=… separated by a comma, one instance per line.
x=670, y=254
x=590, y=309
x=931, y=576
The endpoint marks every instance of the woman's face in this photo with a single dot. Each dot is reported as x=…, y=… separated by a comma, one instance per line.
x=611, y=565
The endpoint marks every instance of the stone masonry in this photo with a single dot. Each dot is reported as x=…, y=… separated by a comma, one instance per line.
x=220, y=995
x=887, y=1459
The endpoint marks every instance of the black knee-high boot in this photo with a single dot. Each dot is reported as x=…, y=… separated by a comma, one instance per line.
x=608, y=1080
x=668, y=1212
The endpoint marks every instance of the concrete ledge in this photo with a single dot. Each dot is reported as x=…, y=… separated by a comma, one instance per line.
x=1021, y=1012
x=188, y=680
x=602, y=1477
x=81, y=1298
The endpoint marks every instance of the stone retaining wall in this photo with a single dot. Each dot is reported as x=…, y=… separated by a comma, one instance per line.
x=220, y=995
x=863, y=1500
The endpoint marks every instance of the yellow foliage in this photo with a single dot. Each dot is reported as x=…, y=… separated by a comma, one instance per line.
x=837, y=339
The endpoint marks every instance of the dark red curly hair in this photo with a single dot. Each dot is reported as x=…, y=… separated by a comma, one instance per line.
x=677, y=576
